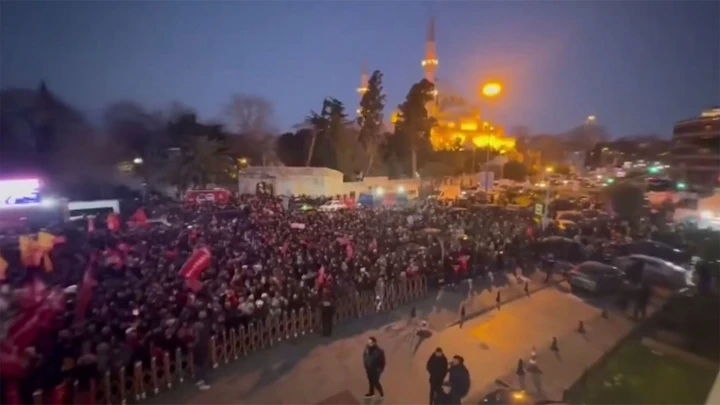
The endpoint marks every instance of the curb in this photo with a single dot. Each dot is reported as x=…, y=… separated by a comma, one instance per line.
x=475, y=314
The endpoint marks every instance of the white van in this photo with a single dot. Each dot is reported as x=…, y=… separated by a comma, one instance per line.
x=82, y=209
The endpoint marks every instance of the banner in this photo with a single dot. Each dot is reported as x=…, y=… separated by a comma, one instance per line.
x=196, y=264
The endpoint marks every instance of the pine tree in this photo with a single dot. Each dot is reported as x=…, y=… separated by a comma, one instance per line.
x=414, y=121
x=371, y=117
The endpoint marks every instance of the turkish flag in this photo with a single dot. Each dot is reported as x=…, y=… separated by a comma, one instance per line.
x=139, y=217
x=198, y=262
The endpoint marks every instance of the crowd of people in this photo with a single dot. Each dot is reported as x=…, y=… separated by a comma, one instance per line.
x=127, y=293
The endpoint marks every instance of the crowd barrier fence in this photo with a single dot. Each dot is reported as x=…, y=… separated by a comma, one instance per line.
x=166, y=370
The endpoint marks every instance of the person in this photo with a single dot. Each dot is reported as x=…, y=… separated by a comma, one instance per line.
x=458, y=379
x=641, y=301
x=437, y=367
x=201, y=350
x=374, y=362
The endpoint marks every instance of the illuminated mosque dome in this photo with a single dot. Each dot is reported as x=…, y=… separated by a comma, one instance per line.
x=459, y=124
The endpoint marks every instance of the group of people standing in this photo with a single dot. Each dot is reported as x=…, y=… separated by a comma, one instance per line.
x=442, y=373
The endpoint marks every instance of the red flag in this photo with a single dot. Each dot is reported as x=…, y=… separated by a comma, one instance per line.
x=86, y=292
x=321, y=277
x=11, y=364
x=198, y=262
x=194, y=284
x=139, y=217
x=12, y=394
x=464, y=263
x=30, y=297
x=113, y=222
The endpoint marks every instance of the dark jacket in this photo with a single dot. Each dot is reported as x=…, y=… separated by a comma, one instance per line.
x=437, y=367
x=459, y=380
x=374, y=359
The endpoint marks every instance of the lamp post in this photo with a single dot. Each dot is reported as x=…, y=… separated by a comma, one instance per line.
x=548, y=170
x=489, y=91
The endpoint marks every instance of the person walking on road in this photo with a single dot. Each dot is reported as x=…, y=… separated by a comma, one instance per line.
x=459, y=380
x=201, y=351
x=374, y=362
x=437, y=367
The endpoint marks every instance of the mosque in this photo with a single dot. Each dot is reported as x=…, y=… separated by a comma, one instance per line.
x=459, y=124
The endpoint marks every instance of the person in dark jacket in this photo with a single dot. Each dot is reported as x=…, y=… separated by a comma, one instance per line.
x=374, y=362
x=437, y=367
x=458, y=379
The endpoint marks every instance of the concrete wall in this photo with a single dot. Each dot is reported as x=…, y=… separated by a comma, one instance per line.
x=313, y=181
x=371, y=184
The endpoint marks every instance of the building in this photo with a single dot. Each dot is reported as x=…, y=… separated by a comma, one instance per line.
x=459, y=123
x=695, y=152
x=627, y=152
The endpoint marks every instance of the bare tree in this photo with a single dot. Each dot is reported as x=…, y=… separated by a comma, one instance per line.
x=250, y=115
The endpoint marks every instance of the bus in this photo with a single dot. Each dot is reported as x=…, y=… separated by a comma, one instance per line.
x=81, y=209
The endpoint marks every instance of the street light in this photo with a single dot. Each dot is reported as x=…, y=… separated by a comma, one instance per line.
x=489, y=90
x=548, y=170
x=138, y=161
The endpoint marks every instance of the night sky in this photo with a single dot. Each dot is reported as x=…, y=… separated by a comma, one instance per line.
x=639, y=66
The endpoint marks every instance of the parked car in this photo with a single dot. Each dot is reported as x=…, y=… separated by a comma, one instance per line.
x=332, y=205
x=658, y=271
x=655, y=249
x=596, y=278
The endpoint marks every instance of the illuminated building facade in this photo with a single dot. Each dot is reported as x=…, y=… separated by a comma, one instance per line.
x=458, y=124
x=695, y=148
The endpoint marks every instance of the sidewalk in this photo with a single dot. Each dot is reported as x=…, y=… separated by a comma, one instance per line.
x=317, y=370
x=479, y=297
x=577, y=352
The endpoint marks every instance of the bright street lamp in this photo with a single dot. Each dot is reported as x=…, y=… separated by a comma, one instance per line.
x=489, y=90
x=137, y=161
x=492, y=89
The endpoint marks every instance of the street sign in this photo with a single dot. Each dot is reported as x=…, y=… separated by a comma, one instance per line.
x=539, y=209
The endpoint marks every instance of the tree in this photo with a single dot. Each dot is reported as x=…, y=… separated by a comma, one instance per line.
x=135, y=132
x=252, y=117
x=328, y=129
x=414, y=121
x=292, y=147
x=371, y=117
x=515, y=170
x=627, y=200
x=203, y=161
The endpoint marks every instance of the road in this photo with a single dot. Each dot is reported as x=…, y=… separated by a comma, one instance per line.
x=320, y=370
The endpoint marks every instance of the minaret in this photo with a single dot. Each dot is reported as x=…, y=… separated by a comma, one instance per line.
x=430, y=63
x=363, y=85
